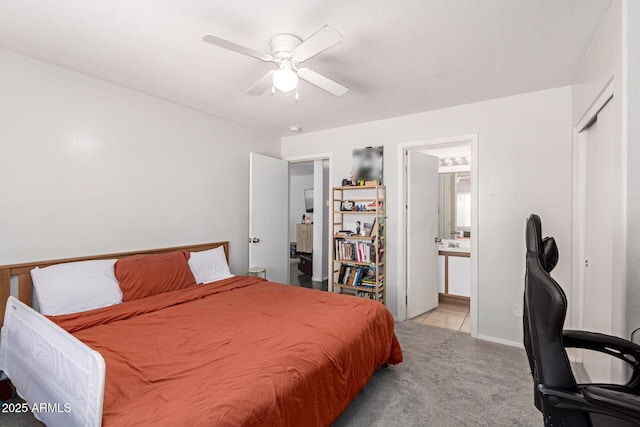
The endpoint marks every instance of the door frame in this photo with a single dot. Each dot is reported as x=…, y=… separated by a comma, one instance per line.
x=471, y=139
x=309, y=158
x=579, y=205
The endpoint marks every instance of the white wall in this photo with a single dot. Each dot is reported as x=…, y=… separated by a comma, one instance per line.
x=524, y=166
x=297, y=185
x=632, y=55
x=319, y=227
x=89, y=167
x=326, y=184
x=603, y=63
x=320, y=220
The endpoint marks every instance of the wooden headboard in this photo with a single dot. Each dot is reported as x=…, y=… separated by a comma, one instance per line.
x=22, y=271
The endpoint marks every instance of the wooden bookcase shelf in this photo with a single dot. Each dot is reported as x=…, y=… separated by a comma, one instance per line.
x=337, y=236
x=364, y=264
x=360, y=288
x=359, y=258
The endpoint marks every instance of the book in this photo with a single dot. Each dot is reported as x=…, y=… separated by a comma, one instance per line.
x=341, y=273
x=352, y=277
x=368, y=228
x=358, y=279
x=374, y=229
x=347, y=276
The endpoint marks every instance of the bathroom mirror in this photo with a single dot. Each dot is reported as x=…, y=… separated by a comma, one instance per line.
x=454, y=205
x=308, y=199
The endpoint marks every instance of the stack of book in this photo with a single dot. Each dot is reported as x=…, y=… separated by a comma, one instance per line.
x=355, y=251
x=352, y=275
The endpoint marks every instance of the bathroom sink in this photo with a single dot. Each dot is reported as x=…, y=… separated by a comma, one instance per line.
x=446, y=249
x=463, y=245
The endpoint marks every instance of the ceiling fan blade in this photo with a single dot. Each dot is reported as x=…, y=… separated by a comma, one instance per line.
x=319, y=41
x=261, y=85
x=226, y=44
x=322, y=82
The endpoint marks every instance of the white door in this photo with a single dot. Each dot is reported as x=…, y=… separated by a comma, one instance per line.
x=269, y=216
x=422, y=230
x=598, y=239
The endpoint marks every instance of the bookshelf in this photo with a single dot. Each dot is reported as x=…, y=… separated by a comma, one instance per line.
x=358, y=258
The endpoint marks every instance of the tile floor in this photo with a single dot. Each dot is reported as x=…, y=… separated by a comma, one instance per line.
x=297, y=278
x=447, y=315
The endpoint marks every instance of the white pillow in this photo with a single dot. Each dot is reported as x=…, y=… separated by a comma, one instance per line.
x=209, y=266
x=76, y=286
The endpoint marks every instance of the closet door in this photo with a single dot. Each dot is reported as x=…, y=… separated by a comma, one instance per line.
x=598, y=238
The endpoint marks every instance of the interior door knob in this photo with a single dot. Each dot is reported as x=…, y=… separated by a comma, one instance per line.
x=255, y=240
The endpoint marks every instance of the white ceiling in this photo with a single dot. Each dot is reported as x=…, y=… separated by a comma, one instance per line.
x=398, y=57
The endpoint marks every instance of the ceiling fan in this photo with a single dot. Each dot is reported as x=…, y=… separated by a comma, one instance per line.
x=287, y=52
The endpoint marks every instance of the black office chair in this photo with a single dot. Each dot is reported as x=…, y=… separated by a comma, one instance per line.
x=556, y=394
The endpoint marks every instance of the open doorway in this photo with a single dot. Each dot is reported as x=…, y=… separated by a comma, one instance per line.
x=440, y=238
x=309, y=223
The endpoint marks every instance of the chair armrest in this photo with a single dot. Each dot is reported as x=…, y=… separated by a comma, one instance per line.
x=613, y=346
x=626, y=403
x=573, y=401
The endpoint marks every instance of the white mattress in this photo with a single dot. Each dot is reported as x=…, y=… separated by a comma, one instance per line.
x=58, y=376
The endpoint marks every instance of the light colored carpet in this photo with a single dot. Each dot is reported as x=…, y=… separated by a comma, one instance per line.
x=447, y=379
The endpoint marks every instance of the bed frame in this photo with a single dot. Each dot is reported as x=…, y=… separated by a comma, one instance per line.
x=23, y=271
x=48, y=365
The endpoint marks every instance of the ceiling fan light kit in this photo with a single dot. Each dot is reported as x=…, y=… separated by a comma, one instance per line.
x=285, y=79
x=287, y=51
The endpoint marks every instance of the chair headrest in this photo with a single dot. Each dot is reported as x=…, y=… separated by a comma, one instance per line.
x=546, y=250
x=549, y=255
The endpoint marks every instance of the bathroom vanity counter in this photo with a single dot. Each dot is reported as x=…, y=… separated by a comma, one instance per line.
x=454, y=272
x=463, y=252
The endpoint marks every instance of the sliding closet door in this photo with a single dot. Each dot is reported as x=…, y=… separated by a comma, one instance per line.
x=598, y=304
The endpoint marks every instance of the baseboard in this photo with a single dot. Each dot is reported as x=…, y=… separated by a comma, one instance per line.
x=574, y=355
x=453, y=299
x=501, y=341
x=315, y=279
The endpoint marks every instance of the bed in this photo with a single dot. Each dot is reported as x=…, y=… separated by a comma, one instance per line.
x=238, y=351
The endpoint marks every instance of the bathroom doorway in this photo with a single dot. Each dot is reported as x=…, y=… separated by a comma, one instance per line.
x=452, y=284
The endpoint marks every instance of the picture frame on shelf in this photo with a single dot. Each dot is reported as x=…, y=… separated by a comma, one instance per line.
x=346, y=205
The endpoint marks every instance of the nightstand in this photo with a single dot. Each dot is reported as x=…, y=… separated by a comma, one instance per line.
x=257, y=271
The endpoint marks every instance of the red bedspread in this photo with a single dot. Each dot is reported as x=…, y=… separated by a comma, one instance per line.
x=242, y=351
